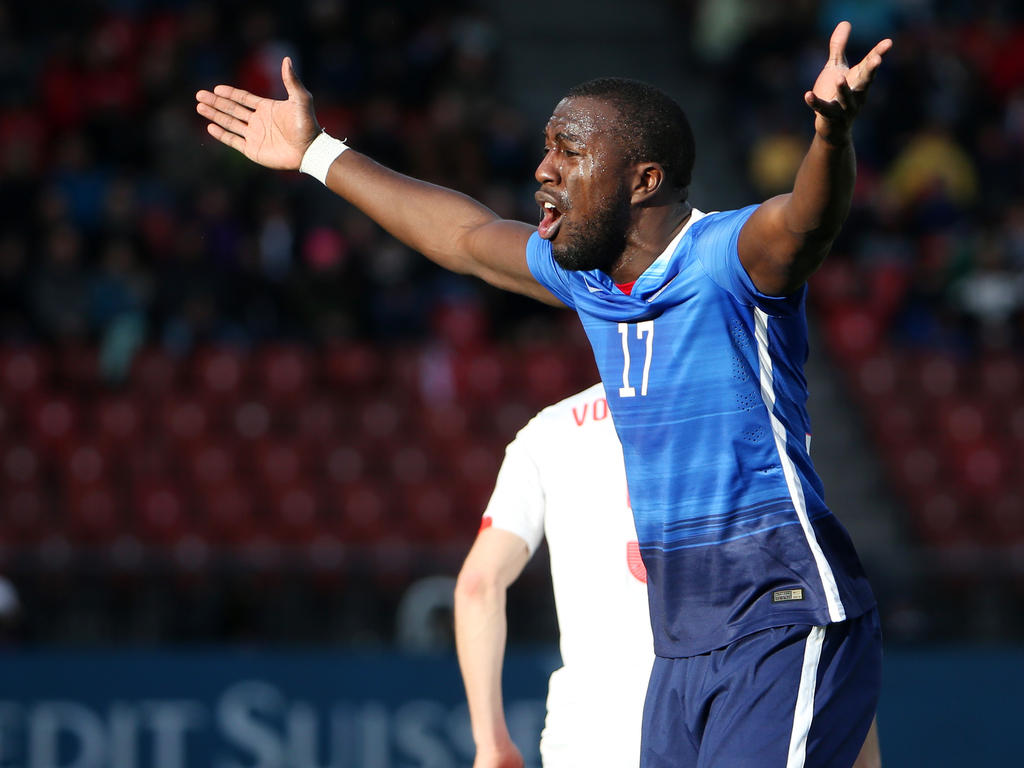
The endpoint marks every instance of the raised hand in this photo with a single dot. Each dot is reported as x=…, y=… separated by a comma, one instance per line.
x=840, y=90
x=272, y=132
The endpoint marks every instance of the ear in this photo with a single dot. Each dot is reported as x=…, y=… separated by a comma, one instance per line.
x=647, y=182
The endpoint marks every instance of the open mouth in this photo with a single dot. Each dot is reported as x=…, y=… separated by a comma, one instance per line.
x=551, y=219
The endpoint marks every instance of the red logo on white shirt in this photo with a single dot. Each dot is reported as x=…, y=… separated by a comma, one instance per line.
x=597, y=410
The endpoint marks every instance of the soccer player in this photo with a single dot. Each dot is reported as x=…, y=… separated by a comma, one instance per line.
x=563, y=479
x=766, y=635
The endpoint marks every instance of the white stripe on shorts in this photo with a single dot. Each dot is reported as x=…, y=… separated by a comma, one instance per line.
x=804, y=713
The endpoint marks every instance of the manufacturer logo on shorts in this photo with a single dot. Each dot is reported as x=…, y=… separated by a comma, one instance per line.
x=787, y=595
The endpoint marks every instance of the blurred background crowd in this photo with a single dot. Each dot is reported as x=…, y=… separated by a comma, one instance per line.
x=232, y=408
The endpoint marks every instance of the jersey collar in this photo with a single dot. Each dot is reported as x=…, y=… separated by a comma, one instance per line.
x=653, y=279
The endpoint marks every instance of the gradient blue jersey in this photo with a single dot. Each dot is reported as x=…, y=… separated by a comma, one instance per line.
x=704, y=378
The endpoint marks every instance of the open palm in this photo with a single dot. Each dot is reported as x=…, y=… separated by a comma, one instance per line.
x=272, y=132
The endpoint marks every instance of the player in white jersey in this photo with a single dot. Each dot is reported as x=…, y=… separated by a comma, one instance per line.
x=562, y=479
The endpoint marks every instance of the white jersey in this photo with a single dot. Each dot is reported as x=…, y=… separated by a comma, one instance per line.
x=563, y=478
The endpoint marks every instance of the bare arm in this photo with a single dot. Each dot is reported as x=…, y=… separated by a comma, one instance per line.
x=494, y=562
x=788, y=236
x=449, y=228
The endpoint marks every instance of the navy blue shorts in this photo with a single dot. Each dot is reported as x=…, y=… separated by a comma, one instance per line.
x=788, y=697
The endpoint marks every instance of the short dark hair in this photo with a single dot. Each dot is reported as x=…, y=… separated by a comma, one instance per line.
x=652, y=126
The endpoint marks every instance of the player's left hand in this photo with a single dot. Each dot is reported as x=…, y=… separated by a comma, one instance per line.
x=840, y=89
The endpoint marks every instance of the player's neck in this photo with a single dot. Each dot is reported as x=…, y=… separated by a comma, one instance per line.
x=648, y=238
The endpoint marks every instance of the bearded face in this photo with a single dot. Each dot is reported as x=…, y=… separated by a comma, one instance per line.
x=584, y=198
x=598, y=240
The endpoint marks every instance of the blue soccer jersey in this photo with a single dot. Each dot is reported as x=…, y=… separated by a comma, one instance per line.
x=704, y=378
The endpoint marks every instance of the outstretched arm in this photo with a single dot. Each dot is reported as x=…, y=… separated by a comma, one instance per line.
x=494, y=562
x=788, y=236
x=447, y=227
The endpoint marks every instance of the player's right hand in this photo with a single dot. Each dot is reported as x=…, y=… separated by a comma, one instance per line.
x=272, y=132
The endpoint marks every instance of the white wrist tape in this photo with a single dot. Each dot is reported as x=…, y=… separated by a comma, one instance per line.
x=320, y=154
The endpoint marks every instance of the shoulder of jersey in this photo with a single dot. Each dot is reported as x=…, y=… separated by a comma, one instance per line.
x=572, y=412
x=564, y=407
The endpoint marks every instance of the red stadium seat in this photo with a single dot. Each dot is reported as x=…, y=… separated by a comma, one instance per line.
x=24, y=371
x=27, y=513
x=360, y=511
x=1003, y=520
x=154, y=373
x=429, y=512
x=836, y=281
x=84, y=464
x=10, y=423
x=327, y=556
x=383, y=419
x=352, y=367
x=220, y=374
x=344, y=463
x=547, y=374
x=442, y=422
x=879, y=376
x=981, y=469
x=937, y=375
x=227, y=514
x=285, y=374
x=941, y=518
x=483, y=376
x=252, y=419
x=476, y=461
x=460, y=324
x=510, y=416
x=76, y=367
x=119, y=422
x=161, y=512
x=185, y=420
x=852, y=331
x=964, y=420
x=296, y=514
x=418, y=371
x=887, y=289
x=899, y=423
x=20, y=465
x=53, y=422
x=212, y=465
x=95, y=514
x=409, y=463
x=1011, y=422
x=1000, y=378
x=279, y=464
x=915, y=469
x=317, y=422
x=150, y=460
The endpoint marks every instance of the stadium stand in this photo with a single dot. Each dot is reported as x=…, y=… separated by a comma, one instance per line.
x=206, y=370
